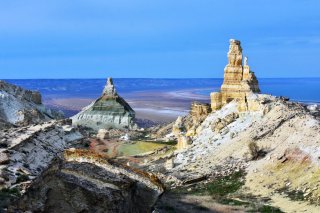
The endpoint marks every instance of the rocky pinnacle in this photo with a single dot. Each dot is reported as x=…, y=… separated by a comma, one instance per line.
x=109, y=89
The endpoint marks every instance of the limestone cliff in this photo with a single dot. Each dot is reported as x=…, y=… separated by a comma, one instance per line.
x=108, y=111
x=19, y=106
x=238, y=82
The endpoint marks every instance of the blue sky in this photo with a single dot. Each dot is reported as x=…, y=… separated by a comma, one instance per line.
x=156, y=38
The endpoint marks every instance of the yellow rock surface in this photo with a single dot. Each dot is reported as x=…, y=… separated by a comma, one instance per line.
x=238, y=82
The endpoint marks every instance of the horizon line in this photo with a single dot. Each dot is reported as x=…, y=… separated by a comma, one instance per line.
x=149, y=78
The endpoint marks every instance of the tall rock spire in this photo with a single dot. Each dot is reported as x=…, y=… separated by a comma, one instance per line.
x=238, y=81
x=109, y=89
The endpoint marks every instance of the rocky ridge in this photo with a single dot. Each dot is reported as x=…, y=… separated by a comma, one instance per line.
x=287, y=138
x=19, y=106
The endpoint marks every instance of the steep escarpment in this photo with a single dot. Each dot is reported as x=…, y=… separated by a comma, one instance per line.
x=87, y=182
x=19, y=106
x=108, y=111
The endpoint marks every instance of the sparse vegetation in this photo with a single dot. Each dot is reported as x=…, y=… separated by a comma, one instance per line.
x=219, y=187
x=292, y=194
x=22, y=178
x=224, y=188
x=7, y=196
x=255, y=151
x=139, y=147
x=266, y=209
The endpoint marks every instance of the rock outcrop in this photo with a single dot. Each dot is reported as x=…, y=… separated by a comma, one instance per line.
x=287, y=136
x=22, y=107
x=183, y=142
x=29, y=150
x=84, y=181
x=108, y=111
x=239, y=80
x=188, y=124
x=25, y=152
x=186, y=127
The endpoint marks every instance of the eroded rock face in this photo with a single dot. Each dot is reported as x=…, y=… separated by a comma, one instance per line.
x=108, y=111
x=239, y=80
x=188, y=125
x=221, y=123
x=27, y=151
x=22, y=107
x=199, y=111
x=86, y=182
x=183, y=142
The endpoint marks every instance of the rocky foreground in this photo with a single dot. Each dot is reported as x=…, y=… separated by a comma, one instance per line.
x=45, y=165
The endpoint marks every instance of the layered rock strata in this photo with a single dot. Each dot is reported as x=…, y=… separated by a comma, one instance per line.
x=87, y=182
x=188, y=124
x=22, y=107
x=108, y=111
x=27, y=151
x=238, y=82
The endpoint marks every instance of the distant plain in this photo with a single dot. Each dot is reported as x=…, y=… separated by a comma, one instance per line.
x=159, y=100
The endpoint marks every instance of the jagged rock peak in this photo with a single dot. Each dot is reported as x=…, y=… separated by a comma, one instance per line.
x=235, y=53
x=109, y=89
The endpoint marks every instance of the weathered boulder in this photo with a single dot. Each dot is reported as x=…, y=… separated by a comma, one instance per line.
x=87, y=182
x=103, y=134
x=108, y=111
